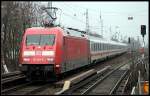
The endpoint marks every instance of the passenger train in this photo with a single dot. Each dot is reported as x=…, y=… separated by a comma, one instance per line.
x=51, y=51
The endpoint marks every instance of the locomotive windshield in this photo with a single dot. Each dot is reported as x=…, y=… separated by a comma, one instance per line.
x=40, y=39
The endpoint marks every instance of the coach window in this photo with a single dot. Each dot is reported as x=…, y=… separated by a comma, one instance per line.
x=95, y=47
x=92, y=45
x=98, y=46
x=107, y=46
x=103, y=46
x=110, y=47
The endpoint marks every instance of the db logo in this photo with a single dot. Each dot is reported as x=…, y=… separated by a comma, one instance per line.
x=38, y=52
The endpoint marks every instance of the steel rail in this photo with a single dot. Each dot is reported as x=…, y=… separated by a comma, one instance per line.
x=11, y=74
x=100, y=80
x=15, y=88
x=39, y=89
x=12, y=78
x=83, y=82
x=118, y=83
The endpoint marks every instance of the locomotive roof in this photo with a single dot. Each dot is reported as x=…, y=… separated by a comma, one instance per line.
x=79, y=34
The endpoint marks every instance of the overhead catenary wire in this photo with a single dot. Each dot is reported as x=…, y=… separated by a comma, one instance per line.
x=76, y=19
x=73, y=17
x=108, y=12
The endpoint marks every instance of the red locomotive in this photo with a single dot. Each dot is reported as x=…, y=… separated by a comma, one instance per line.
x=47, y=52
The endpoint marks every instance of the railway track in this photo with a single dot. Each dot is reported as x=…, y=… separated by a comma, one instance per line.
x=26, y=89
x=5, y=75
x=12, y=78
x=49, y=88
x=104, y=82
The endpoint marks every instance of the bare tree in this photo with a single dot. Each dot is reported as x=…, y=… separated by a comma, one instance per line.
x=15, y=18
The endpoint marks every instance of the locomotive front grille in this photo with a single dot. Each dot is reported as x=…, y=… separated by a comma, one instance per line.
x=37, y=67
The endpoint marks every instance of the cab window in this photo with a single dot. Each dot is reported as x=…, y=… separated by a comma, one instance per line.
x=40, y=39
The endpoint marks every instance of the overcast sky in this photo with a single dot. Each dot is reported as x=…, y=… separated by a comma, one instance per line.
x=113, y=14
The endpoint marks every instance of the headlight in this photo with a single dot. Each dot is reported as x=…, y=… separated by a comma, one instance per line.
x=48, y=53
x=57, y=65
x=50, y=59
x=29, y=53
x=26, y=59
